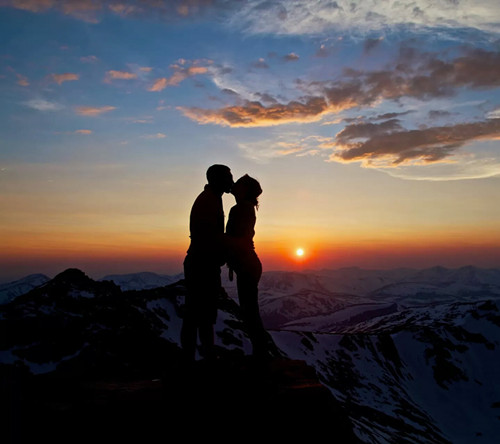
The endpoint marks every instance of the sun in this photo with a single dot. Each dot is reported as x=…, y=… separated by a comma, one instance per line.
x=299, y=252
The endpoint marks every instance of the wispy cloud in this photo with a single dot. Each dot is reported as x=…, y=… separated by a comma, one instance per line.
x=155, y=136
x=119, y=75
x=181, y=73
x=291, y=57
x=83, y=132
x=66, y=77
x=93, y=10
x=287, y=144
x=82, y=9
x=22, y=80
x=260, y=64
x=89, y=59
x=93, y=111
x=302, y=17
x=159, y=84
x=43, y=105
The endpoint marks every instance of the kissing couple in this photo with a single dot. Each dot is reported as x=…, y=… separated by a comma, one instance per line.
x=210, y=248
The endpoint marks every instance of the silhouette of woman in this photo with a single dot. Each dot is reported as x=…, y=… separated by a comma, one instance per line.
x=243, y=259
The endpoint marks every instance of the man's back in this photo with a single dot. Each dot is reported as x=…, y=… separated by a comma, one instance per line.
x=206, y=225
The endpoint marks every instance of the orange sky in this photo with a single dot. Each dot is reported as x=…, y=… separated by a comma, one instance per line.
x=376, y=138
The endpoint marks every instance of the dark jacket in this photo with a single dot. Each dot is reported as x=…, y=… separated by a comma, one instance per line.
x=206, y=226
x=240, y=230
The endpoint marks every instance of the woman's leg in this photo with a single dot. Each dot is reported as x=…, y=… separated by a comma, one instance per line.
x=249, y=305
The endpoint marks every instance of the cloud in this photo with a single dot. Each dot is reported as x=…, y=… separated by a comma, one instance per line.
x=296, y=17
x=22, y=80
x=180, y=73
x=414, y=74
x=30, y=5
x=86, y=10
x=250, y=114
x=93, y=10
x=291, y=17
x=43, y=105
x=285, y=145
x=119, y=75
x=93, y=111
x=292, y=57
x=467, y=166
x=84, y=132
x=495, y=114
x=156, y=136
x=260, y=64
x=66, y=77
x=89, y=59
x=388, y=144
x=159, y=84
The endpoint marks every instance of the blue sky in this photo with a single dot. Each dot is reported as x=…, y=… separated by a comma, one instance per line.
x=369, y=124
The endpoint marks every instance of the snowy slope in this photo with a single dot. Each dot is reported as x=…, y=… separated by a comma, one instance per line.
x=141, y=281
x=11, y=290
x=425, y=375
x=293, y=299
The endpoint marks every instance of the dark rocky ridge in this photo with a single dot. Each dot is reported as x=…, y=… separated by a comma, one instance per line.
x=110, y=374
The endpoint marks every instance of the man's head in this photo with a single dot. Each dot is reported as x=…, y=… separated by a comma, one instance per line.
x=220, y=178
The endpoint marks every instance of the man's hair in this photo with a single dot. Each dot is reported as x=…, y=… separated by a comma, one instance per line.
x=216, y=172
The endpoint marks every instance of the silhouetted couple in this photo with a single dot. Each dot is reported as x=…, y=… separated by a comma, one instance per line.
x=210, y=249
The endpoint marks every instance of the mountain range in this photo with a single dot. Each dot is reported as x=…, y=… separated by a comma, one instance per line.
x=393, y=356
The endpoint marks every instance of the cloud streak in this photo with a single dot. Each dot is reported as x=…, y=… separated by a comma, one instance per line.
x=119, y=75
x=93, y=111
x=22, y=80
x=43, y=105
x=180, y=74
x=66, y=77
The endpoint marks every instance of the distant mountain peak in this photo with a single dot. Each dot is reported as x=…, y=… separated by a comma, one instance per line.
x=73, y=275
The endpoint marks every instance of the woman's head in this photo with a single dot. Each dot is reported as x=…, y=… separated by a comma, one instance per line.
x=247, y=188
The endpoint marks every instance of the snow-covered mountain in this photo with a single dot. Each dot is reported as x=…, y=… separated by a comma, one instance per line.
x=141, y=281
x=421, y=375
x=337, y=298
x=412, y=356
x=11, y=290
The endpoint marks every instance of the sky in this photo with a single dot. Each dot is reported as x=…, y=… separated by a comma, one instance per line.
x=373, y=127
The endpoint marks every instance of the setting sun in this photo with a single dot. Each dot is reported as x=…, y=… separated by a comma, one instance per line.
x=299, y=252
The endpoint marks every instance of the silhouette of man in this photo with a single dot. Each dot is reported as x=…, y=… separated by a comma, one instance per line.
x=202, y=265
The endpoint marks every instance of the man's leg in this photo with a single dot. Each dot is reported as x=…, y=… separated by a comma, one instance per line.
x=188, y=337
x=207, y=340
